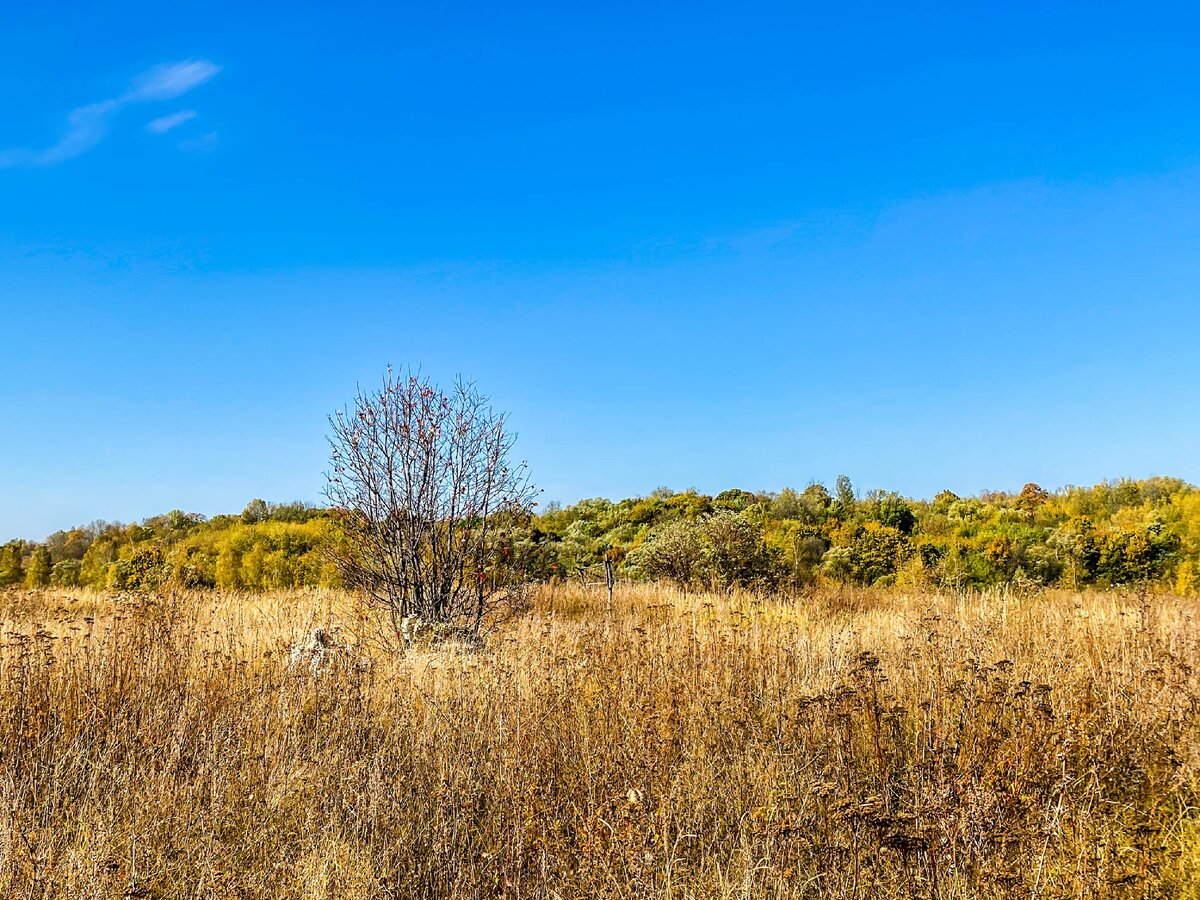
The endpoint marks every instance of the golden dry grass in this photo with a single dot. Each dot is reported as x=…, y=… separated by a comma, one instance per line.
x=847, y=745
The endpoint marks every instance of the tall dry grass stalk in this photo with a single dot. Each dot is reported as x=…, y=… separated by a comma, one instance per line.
x=853, y=744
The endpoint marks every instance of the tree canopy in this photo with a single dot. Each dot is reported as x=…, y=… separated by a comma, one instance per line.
x=1120, y=533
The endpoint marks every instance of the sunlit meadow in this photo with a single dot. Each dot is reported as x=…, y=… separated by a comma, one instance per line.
x=845, y=744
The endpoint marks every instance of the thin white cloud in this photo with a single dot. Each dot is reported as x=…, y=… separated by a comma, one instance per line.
x=171, y=81
x=163, y=124
x=88, y=125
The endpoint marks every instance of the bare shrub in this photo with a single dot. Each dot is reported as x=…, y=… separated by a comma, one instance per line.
x=426, y=497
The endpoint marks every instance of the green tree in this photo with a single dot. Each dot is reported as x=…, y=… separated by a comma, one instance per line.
x=805, y=547
x=178, y=520
x=144, y=569
x=12, y=571
x=100, y=556
x=893, y=511
x=256, y=511
x=734, y=499
x=844, y=504
x=1075, y=542
x=872, y=556
x=68, y=544
x=1136, y=556
x=293, y=512
x=786, y=505
x=944, y=500
x=816, y=503
x=40, y=565
x=65, y=573
x=674, y=552
x=737, y=555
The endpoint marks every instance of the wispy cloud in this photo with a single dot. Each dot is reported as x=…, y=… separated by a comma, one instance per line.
x=88, y=125
x=171, y=81
x=163, y=124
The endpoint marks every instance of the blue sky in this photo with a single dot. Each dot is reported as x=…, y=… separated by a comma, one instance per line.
x=684, y=244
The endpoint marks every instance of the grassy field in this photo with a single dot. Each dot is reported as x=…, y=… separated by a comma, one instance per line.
x=851, y=744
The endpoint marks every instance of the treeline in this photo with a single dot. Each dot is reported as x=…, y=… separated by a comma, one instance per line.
x=268, y=546
x=1119, y=533
x=1142, y=533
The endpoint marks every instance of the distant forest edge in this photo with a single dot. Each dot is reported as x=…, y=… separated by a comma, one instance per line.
x=1134, y=533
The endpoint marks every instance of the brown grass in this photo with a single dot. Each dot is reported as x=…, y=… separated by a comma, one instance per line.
x=848, y=745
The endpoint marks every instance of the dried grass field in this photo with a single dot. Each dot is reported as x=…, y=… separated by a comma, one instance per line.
x=850, y=744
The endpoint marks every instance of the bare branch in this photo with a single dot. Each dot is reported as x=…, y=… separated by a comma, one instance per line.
x=423, y=488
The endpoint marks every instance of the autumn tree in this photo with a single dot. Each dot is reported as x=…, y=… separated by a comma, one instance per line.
x=1032, y=496
x=872, y=555
x=11, y=569
x=1075, y=541
x=420, y=482
x=38, y=573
